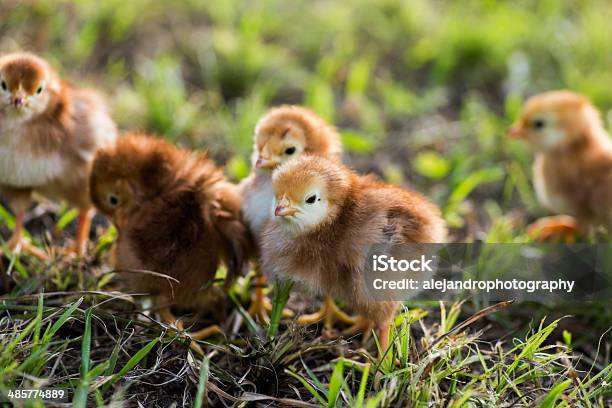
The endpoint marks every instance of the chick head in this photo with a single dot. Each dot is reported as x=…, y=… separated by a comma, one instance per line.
x=554, y=119
x=287, y=132
x=126, y=175
x=309, y=192
x=26, y=85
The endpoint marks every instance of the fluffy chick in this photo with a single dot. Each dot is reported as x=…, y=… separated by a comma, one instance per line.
x=49, y=133
x=282, y=134
x=176, y=215
x=573, y=163
x=326, y=219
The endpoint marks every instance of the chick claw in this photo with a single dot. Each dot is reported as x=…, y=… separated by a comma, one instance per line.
x=561, y=228
x=261, y=306
x=361, y=325
x=17, y=244
x=170, y=319
x=330, y=313
x=365, y=326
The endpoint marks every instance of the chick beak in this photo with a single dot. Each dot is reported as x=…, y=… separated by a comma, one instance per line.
x=262, y=163
x=19, y=99
x=284, y=208
x=18, y=102
x=516, y=132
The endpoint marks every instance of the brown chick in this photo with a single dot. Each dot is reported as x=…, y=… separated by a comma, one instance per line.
x=282, y=134
x=176, y=215
x=573, y=163
x=327, y=218
x=49, y=133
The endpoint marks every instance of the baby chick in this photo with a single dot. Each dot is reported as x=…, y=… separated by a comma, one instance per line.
x=327, y=218
x=176, y=215
x=283, y=134
x=573, y=163
x=49, y=133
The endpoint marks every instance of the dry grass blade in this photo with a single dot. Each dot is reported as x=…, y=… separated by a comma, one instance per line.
x=469, y=321
x=146, y=272
x=253, y=397
x=113, y=295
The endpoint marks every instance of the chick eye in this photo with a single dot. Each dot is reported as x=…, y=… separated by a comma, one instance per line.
x=538, y=124
x=290, y=150
x=39, y=90
x=311, y=199
x=113, y=200
x=4, y=87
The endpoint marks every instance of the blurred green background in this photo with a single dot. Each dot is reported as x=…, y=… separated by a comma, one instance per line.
x=423, y=91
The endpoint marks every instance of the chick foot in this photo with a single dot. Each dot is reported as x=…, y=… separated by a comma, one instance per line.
x=364, y=325
x=261, y=306
x=169, y=318
x=560, y=228
x=17, y=244
x=330, y=313
x=361, y=325
x=27, y=247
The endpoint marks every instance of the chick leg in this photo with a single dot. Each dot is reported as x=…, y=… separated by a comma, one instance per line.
x=17, y=236
x=17, y=243
x=383, y=338
x=82, y=233
x=261, y=306
x=561, y=228
x=169, y=318
x=330, y=313
x=206, y=332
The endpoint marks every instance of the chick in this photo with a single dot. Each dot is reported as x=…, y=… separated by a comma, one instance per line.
x=176, y=215
x=49, y=133
x=283, y=134
x=326, y=220
x=573, y=163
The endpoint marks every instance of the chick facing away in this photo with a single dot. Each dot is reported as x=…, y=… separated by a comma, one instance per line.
x=176, y=215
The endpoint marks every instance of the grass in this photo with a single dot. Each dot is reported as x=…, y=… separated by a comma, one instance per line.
x=106, y=352
x=422, y=93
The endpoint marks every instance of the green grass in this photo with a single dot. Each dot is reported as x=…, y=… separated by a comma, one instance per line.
x=108, y=351
x=422, y=93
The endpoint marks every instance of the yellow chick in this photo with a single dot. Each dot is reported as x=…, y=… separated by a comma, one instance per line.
x=573, y=164
x=281, y=135
x=49, y=133
x=326, y=220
